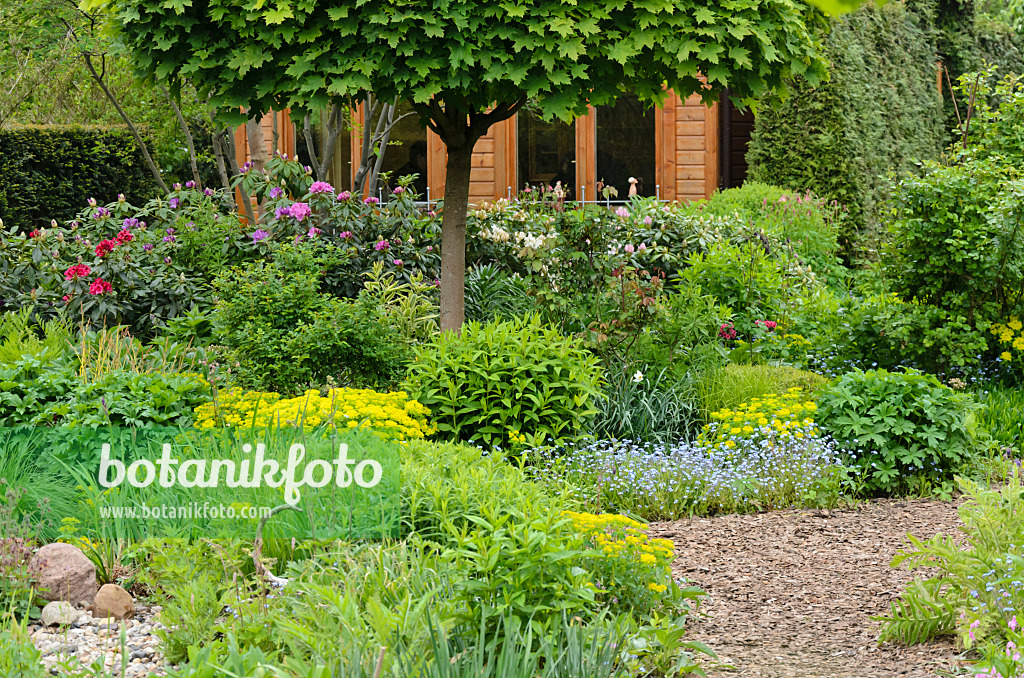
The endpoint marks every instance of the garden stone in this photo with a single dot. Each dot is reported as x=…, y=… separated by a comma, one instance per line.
x=59, y=613
x=113, y=601
x=63, y=572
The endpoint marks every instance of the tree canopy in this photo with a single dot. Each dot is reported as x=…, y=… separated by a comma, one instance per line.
x=467, y=64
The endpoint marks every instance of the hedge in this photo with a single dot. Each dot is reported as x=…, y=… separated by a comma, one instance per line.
x=880, y=110
x=49, y=172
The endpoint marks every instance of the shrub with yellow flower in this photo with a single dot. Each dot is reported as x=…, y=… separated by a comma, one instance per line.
x=392, y=416
x=1011, y=339
x=632, y=568
x=778, y=415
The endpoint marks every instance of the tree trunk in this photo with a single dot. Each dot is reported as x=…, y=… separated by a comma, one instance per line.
x=453, y=237
x=257, y=145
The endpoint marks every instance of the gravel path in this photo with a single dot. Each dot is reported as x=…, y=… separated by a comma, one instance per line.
x=791, y=592
x=90, y=640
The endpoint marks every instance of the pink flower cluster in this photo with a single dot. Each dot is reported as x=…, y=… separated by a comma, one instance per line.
x=298, y=211
x=99, y=286
x=382, y=245
x=77, y=271
x=107, y=246
x=321, y=187
x=769, y=325
x=727, y=331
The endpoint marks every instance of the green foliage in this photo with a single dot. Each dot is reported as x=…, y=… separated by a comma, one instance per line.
x=651, y=407
x=884, y=332
x=563, y=57
x=1002, y=415
x=284, y=334
x=500, y=381
x=880, y=109
x=744, y=279
x=899, y=428
x=18, y=654
x=958, y=241
x=46, y=172
x=493, y=294
x=806, y=226
x=973, y=593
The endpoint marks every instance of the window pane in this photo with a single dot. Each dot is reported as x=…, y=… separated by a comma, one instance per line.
x=625, y=146
x=547, y=153
x=406, y=152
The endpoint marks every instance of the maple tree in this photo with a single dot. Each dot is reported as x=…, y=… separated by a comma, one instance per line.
x=467, y=64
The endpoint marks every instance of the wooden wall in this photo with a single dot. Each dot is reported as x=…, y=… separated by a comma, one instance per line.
x=686, y=153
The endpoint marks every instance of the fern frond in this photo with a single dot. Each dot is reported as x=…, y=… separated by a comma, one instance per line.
x=924, y=611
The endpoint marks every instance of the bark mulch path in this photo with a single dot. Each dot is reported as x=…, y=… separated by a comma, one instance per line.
x=791, y=592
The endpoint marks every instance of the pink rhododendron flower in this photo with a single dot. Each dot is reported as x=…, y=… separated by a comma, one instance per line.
x=99, y=286
x=343, y=196
x=300, y=211
x=77, y=271
x=382, y=245
x=321, y=187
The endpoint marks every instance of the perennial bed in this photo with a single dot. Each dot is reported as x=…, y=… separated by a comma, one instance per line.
x=791, y=593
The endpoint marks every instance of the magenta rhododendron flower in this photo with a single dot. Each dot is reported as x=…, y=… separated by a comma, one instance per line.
x=99, y=286
x=77, y=271
x=259, y=234
x=105, y=247
x=397, y=262
x=130, y=222
x=190, y=184
x=344, y=195
x=276, y=192
x=382, y=245
x=313, y=231
x=282, y=212
x=148, y=246
x=399, y=190
x=372, y=200
x=300, y=211
x=345, y=235
x=101, y=213
x=174, y=202
x=321, y=187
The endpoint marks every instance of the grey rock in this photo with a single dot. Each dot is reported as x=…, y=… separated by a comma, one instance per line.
x=59, y=613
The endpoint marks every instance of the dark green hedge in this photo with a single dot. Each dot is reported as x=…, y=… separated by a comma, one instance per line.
x=881, y=110
x=49, y=172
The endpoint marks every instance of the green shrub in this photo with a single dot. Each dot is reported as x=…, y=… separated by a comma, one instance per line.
x=899, y=428
x=48, y=172
x=283, y=334
x=958, y=241
x=493, y=381
x=884, y=332
x=879, y=110
x=743, y=278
